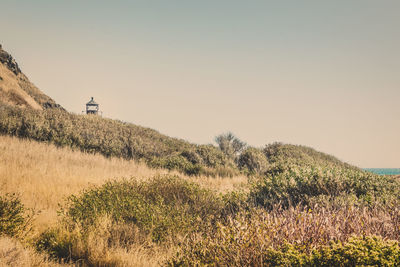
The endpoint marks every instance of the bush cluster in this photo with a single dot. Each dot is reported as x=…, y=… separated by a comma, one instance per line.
x=163, y=209
x=291, y=175
x=294, y=185
x=15, y=219
x=163, y=206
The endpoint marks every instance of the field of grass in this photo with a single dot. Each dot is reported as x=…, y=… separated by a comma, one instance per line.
x=44, y=175
x=168, y=218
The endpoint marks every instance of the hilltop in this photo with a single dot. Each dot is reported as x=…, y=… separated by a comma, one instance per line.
x=17, y=90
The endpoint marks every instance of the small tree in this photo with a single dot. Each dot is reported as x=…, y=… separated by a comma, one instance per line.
x=230, y=144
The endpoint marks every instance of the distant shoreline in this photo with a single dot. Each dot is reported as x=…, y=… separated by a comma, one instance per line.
x=384, y=171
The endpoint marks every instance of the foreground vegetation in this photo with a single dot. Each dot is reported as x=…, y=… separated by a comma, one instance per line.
x=129, y=196
x=43, y=176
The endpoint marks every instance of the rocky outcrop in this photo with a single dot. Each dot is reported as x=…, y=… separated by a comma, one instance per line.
x=49, y=104
x=9, y=61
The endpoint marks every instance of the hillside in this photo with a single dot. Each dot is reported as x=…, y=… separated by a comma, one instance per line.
x=91, y=191
x=17, y=90
x=43, y=120
x=27, y=112
x=114, y=138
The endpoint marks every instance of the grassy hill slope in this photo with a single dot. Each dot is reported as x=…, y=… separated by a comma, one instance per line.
x=114, y=138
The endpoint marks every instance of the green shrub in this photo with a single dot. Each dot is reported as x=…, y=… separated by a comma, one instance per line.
x=56, y=244
x=15, y=219
x=358, y=251
x=278, y=153
x=176, y=162
x=163, y=207
x=253, y=160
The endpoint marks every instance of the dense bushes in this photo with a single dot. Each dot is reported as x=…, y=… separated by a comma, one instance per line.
x=300, y=175
x=162, y=209
x=253, y=160
x=312, y=206
x=163, y=206
x=297, y=237
x=278, y=153
x=113, y=138
x=294, y=184
x=15, y=219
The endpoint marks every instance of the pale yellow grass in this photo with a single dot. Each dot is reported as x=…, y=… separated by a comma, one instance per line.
x=44, y=175
x=13, y=253
x=100, y=248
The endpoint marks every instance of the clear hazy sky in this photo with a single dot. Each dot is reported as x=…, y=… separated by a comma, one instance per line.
x=325, y=74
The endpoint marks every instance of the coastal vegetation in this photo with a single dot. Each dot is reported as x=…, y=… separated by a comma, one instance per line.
x=302, y=208
x=78, y=190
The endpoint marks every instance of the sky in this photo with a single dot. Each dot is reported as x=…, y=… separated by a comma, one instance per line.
x=324, y=74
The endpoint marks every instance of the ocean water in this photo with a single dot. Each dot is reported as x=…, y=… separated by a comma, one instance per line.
x=384, y=171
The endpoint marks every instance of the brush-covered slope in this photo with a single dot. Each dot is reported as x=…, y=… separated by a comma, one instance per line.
x=114, y=138
x=27, y=112
x=296, y=175
x=16, y=89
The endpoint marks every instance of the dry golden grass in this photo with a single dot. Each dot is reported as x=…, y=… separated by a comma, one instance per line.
x=102, y=247
x=13, y=253
x=44, y=174
x=11, y=91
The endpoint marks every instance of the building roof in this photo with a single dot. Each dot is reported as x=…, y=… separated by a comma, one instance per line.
x=92, y=102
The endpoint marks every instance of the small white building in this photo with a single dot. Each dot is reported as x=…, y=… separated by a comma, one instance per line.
x=92, y=107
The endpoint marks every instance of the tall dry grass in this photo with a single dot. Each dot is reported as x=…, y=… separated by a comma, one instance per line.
x=13, y=253
x=44, y=175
